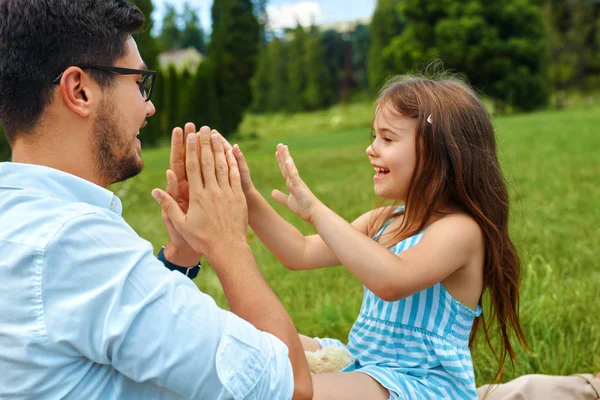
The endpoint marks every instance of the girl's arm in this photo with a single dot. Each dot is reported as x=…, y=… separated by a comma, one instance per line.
x=290, y=246
x=448, y=245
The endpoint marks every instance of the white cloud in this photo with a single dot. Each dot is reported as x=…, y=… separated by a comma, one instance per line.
x=289, y=15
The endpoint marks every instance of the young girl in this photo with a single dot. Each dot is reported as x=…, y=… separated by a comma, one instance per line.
x=424, y=265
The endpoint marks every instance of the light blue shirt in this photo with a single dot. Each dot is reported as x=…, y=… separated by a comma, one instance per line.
x=88, y=312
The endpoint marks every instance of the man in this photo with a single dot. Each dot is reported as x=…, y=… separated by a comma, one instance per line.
x=86, y=310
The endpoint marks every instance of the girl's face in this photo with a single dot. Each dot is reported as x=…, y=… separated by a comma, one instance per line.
x=392, y=153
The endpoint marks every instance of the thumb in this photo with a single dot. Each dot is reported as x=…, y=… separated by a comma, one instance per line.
x=280, y=197
x=169, y=206
x=171, y=230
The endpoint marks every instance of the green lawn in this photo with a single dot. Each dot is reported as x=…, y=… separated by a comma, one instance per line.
x=552, y=163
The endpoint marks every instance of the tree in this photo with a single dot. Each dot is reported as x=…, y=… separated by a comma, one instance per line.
x=498, y=45
x=317, y=93
x=277, y=77
x=263, y=20
x=147, y=45
x=233, y=52
x=173, y=99
x=572, y=33
x=296, y=70
x=385, y=25
x=360, y=40
x=192, y=35
x=335, y=51
x=171, y=33
x=260, y=82
x=200, y=106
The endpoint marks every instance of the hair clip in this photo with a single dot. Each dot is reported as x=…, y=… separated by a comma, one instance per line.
x=430, y=120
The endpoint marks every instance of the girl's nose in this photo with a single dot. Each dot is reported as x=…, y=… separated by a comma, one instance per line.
x=370, y=151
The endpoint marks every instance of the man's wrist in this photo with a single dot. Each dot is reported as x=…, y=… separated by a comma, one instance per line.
x=185, y=258
x=189, y=271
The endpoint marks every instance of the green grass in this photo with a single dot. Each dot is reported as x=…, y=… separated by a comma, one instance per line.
x=551, y=160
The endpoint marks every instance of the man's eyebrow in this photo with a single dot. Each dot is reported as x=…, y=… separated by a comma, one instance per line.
x=143, y=66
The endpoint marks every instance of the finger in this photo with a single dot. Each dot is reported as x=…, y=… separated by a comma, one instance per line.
x=171, y=230
x=280, y=197
x=221, y=165
x=169, y=207
x=226, y=145
x=190, y=127
x=172, y=186
x=177, y=160
x=192, y=164
x=279, y=157
x=241, y=162
x=207, y=158
x=290, y=167
x=234, y=172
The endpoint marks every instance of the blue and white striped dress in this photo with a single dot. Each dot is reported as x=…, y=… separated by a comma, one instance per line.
x=416, y=347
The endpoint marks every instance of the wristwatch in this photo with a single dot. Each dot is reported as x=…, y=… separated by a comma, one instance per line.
x=190, y=272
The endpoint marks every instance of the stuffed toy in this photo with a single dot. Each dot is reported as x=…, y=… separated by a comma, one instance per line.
x=328, y=359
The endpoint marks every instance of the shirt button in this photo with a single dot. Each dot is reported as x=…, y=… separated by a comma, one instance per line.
x=113, y=204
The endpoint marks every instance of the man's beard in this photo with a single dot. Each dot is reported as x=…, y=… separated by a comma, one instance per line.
x=108, y=142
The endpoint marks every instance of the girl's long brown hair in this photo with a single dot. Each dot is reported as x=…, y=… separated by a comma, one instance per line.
x=457, y=164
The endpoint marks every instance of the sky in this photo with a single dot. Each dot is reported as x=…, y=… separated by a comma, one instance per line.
x=285, y=13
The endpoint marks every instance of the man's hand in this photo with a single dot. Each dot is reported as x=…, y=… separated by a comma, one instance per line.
x=178, y=251
x=217, y=216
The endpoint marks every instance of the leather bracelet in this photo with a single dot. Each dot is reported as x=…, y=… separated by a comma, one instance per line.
x=190, y=272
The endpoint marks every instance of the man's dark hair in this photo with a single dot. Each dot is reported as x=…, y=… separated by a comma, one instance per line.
x=39, y=39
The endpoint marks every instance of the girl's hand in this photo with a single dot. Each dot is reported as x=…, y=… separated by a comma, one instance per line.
x=247, y=185
x=301, y=200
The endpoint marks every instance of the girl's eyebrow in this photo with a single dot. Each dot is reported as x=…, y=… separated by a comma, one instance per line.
x=385, y=130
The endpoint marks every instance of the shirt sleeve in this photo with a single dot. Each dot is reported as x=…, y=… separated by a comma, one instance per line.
x=108, y=298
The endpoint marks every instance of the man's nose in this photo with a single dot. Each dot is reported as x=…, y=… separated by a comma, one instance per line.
x=150, y=108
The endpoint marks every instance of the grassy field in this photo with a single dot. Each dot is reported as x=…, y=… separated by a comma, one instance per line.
x=550, y=159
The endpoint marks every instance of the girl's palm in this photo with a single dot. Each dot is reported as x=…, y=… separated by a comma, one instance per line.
x=301, y=201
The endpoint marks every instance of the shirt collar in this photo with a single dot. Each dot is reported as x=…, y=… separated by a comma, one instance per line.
x=57, y=183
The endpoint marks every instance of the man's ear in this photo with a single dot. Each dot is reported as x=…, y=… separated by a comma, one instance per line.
x=78, y=91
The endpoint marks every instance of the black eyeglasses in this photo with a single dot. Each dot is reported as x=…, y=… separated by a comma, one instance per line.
x=146, y=84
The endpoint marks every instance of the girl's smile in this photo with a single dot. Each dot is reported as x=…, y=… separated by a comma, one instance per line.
x=380, y=173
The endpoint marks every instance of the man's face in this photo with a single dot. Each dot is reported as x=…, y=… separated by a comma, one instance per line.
x=121, y=115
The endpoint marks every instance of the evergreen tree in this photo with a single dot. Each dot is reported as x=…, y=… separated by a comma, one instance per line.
x=263, y=20
x=277, y=76
x=260, y=82
x=498, y=45
x=173, y=99
x=192, y=35
x=147, y=45
x=385, y=25
x=200, y=107
x=171, y=34
x=233, y=52
x=159, y=98
x=360, y=39
x=317, y=93
x=296, y=70
x=335, y=51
